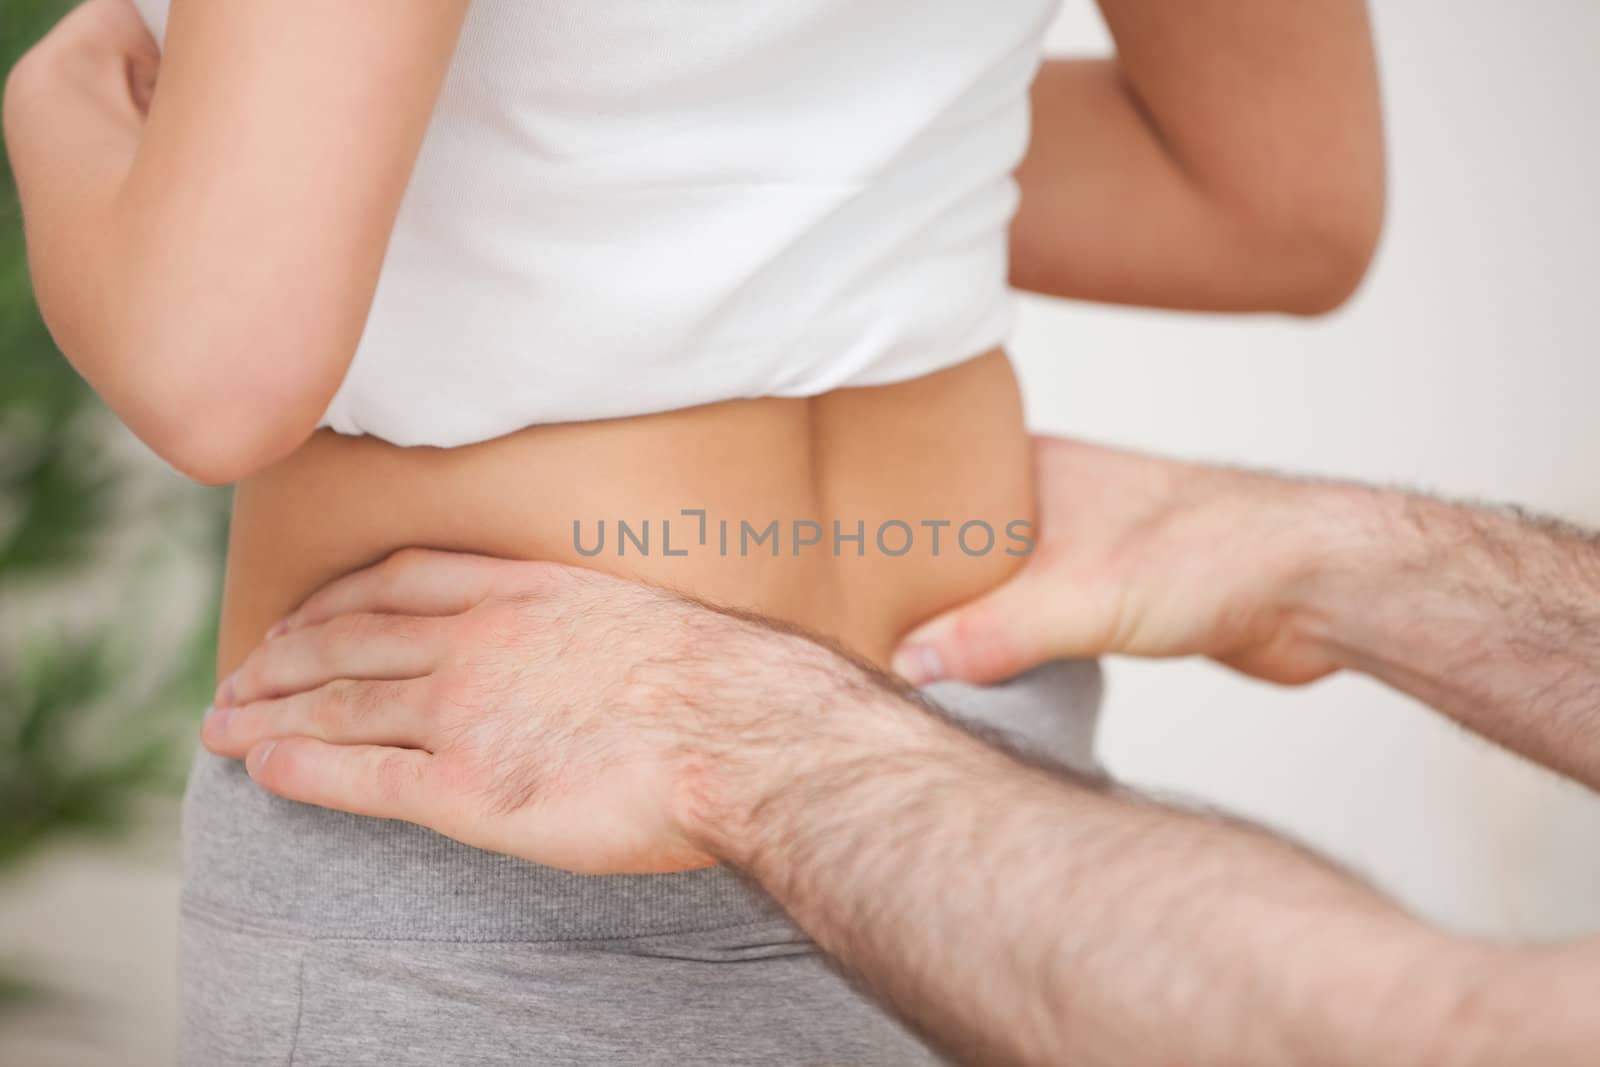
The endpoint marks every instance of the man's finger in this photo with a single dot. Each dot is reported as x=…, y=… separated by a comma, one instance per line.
x=342, y=712
x=412, y=581
x=1021, y=624
x=347, y=646
x=389, y=783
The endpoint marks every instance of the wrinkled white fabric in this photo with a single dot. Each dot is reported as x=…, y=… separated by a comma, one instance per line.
x=628, y=207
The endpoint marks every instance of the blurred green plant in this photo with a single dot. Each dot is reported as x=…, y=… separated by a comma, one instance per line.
x=97, y=703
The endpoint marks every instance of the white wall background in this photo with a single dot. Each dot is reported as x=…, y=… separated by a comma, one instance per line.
x=1468, y=365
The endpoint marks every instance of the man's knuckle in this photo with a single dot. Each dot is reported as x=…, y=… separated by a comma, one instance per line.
x=456, y=776
x=392, y=571
x=362, y=699
x=437, y=695
x=322, y=712
x=335, y=705
x=335, y=639
x=400, y=559
x=404, y=561
x=542, y=576
x=247, y=678
x=395, y=776
x=402, y=629
x=492, y=624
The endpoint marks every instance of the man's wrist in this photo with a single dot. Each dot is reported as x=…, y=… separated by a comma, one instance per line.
x=1274, y=557
x=796, y=712
x=1375, y=544
x=1352, y=550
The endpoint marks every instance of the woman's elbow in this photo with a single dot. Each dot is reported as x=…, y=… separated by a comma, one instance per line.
x=215, y=411
x=214, y=455
x=218, y=437
x=1307, y=263
x=213, y=451
x=1322, y=235
x=1329, y=260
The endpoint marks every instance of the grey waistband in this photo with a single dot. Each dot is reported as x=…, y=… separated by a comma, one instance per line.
x=259, y=861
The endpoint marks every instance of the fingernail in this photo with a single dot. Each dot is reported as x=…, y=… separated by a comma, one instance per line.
x=224, y=697
x=258, y=757
x=216, y=724
x=918, y=664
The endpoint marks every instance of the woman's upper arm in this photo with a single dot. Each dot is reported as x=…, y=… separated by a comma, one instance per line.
x=1272, y=108
x=260, y=201
x=1229, y=158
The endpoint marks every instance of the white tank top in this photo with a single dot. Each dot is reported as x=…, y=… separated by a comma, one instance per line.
x=629, y=206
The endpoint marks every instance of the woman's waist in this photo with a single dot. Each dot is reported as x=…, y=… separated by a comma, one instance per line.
x=856, y=514
x=258, y=861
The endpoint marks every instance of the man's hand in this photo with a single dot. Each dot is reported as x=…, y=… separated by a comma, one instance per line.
x=1485, y=615
x=543, y=711
x=1153, y=557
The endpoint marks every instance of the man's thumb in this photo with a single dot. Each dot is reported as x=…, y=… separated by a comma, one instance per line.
x=999, y=635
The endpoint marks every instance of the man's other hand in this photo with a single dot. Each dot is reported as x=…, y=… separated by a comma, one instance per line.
x=1146, y=556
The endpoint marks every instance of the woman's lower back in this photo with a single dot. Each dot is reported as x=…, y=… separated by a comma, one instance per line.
x=315, y=937
x=687, y=499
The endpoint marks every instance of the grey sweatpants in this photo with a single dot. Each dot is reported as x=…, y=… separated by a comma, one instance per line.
x=312, y=937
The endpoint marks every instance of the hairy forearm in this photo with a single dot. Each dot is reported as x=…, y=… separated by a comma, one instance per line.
x=1491, y=617
x=1015, y=915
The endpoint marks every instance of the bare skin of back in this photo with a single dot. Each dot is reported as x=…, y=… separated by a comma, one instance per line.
x=893, y=462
